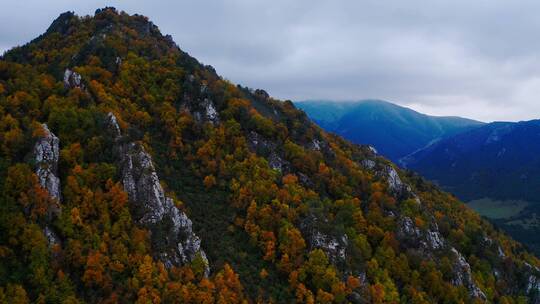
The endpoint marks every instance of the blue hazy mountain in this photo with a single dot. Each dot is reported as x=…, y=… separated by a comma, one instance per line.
x=500, y=160
x=395, y=131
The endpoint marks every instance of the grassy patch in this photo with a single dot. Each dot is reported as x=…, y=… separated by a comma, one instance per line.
x=498, y=209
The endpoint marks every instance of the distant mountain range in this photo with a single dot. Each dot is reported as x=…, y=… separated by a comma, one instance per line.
x=498, y=160
x=493, y=166
x=393, y=130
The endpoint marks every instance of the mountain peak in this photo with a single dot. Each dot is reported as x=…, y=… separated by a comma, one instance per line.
x=62, y=23
x=108, y=36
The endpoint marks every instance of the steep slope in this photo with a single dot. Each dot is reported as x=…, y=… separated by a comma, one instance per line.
x=130, y=172
x=393, y=130
x=497, y=166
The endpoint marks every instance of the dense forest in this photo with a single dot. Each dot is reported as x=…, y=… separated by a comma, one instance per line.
x=131, y=172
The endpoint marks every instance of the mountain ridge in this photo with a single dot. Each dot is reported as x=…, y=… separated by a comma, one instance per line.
x=394, y=130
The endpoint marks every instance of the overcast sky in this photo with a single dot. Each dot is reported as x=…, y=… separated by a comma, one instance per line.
x=478, y=59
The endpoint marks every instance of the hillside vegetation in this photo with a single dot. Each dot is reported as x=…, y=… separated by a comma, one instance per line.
x=131, y=172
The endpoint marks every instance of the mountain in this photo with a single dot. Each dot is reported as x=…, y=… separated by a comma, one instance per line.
x=393, y=130
x=496, y=166
x=131, y=172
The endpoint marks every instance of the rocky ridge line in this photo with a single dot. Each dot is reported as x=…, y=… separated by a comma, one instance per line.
x=171, y=230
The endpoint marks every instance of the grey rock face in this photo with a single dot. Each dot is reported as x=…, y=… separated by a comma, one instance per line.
x=72, y=79
x=334, y=246
x=46, y=153
x=205, y=111
x=142, y=184
x=396, y=186
x=52, y=237
x=258, y=143
x=435, y=239
x=172, y=233
x=533, y=282
x=113, y=125
x=368, y=164
x=210, y=111
x=463, y=276
x=394, y=182
x=409, y=229
x=427, y=240
x=315, y=145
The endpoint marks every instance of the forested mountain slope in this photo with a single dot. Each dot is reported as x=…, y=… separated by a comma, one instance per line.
x=395, y=131
x=130, y=172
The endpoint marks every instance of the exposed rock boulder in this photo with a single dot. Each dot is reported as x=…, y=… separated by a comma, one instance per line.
x=72, y=79
x=172, y=236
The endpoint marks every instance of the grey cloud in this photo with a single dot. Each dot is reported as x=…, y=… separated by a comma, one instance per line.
x=471, y=58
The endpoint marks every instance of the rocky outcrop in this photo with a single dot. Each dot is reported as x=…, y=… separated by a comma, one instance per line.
x=210, y=111
x=72, y=79
x=532, y=275
x=52, y=237
x=266, y=148
x=368, y=164
x=315, y=145
x=463, y=276
x=387, y=172
x=203, y=111
x=113, y=125
x=427, y=240
x=395, y=184
x=46, y=154
x=173, y=239
x=334, y=246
